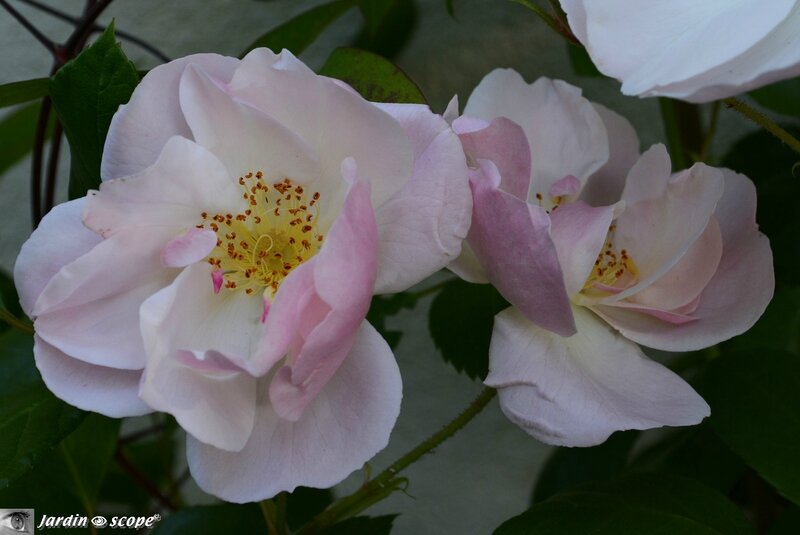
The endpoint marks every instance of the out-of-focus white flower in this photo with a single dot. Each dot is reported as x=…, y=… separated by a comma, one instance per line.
x=687, y=49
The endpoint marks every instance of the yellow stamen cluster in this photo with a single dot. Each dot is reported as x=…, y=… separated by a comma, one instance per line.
x=612, y=267
x=277, y=232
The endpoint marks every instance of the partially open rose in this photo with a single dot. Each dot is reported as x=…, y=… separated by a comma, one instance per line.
x=597, y=248
x=249, y=211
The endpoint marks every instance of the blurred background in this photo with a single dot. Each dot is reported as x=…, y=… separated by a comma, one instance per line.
x=485, y=474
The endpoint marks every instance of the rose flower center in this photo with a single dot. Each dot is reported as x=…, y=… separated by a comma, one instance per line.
x=613, y=270
x=277, y=232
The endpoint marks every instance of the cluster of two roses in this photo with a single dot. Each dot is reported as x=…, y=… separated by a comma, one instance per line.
x=250, y=210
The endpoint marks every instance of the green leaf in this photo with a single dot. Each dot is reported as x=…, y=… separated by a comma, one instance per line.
x=582, y=64
x=755, y=409
x=778, y=190
x=461, y=320
x=385, y=306
x=568, y=467
x=86, y=92
x=451, y=7
x=782, y=97
x=375, y=78
x=389, y=26
x=362, y=525
x=8, y=295
x=213, y=520
x=24, y=91
x=777, y=328
x=17, y=131
x=695, y=452
x=305, y=503
x=635, y=504
x=788, y=523
x=298, y=33
x=32, y=420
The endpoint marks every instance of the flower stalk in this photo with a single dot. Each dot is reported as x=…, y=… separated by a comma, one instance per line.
x=387, y=481
x=764, y=122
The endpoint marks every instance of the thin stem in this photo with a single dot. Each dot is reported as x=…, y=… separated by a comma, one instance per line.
x=270, y=513
x=142, y=480
x=15, y=322
x=387, y=481
x=144, y=45
x=763, y=121
x=52, y=169
x=84, y=26
x=37, y=159
x=137, y=435
x=710, y=132
x=33, y=30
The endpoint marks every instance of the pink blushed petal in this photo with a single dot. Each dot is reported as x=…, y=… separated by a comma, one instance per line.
x=140, y=128
x=578, y=232
x=566, y=187
x=577, y=391
x=109, y=391
x=89, y=309
x=217, y=279
x=345, y=426
x=565, y=134
x=197, y=343
x=59, y=239
x=503, y=142
x=422, y=226
x=189, y=248
x=738, y=292
x=511, y=239
x=344, y=282
x=686, y=280
x=657, y=233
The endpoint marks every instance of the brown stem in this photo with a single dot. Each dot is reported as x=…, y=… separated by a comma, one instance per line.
x=52, y=169
x=142, y=480
x=33, y=30
x=37, y=159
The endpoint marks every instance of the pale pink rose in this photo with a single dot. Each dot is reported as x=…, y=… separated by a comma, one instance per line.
x=689, y=49
x=249, y=211
x=598, y=248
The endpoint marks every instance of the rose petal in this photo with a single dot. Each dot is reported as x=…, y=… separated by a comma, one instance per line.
x=89, y=310
x=244, y=138
x=189, y=248
x=579, y=232
x=734, y=298
x=422, y=226
x=577, y=391
x=657, y=233
x=511, y=239
x=565, y=133
x=109, y=391
x=186, y=181
x=59, y=239
x=503, y=142
x=343, y=282
x=217, y=406
x=348, y=422
x=336, y=122
x=140, y=128
x=605, y=186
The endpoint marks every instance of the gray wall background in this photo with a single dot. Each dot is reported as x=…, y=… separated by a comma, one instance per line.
x=485, y=474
